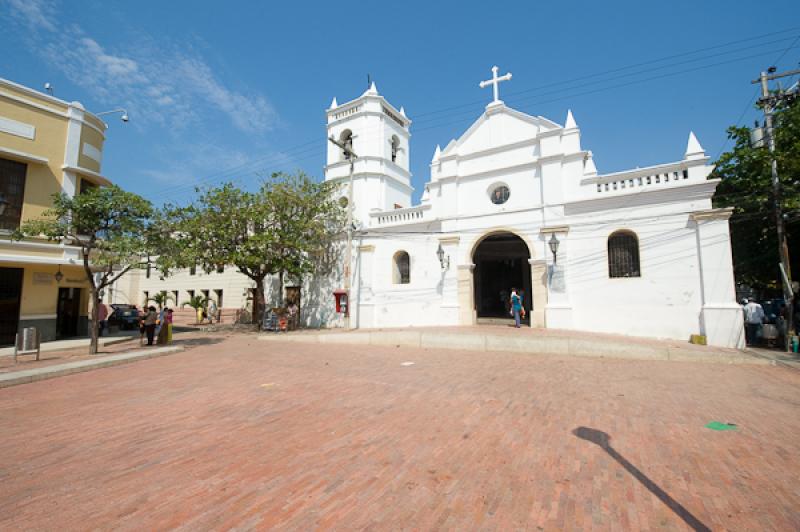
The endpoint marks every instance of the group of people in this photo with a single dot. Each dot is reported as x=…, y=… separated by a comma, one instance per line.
x=157, y=326
x=755, y=318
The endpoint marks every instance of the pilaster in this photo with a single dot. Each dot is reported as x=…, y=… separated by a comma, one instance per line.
x=466, y=303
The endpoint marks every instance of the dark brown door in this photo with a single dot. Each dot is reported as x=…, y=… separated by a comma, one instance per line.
x=10, y=296
x=68, y=312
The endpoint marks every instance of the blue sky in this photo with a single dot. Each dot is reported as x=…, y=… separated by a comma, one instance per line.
x=237, y=90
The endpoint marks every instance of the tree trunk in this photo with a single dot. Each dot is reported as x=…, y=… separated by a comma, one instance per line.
x=258, y=302
x=93, y=324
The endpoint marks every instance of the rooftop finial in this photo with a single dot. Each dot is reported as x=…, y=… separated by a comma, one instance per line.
x=495, y=82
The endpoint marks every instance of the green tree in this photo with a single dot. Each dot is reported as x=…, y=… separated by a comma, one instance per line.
x=161, y=299
x=288, y=226
x=747, y=187
x=108, y=224
x=198, y=303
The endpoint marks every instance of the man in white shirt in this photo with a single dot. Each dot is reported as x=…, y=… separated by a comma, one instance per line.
x=753, y=319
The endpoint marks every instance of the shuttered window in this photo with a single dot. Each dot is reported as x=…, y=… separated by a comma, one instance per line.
x=12, y=193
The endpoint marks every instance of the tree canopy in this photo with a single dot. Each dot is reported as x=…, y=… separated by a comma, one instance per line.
x=747, y=187
x=108, y=224
x=287, y=227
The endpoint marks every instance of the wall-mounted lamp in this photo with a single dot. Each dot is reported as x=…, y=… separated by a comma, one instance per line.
x=124, y=116
x=59, y=276
x=444, y=261
x=553, y=243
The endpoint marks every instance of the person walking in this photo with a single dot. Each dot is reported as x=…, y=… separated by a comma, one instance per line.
x=753, y=320
x=516, y=306
x=150, y=322
x=102, y=318
x=212, y=311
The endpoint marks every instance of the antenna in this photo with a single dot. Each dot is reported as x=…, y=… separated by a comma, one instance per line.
x=369, y=81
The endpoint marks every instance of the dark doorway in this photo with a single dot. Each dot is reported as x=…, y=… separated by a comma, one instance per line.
x=501, y=263
x=68, y=312
x=10, y=296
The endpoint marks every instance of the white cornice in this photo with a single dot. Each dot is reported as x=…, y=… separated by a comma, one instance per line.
x=23, y=156
x=85, y=172
x=644, y=172
x=423, y=207
x=367, y=175
x=490, y=151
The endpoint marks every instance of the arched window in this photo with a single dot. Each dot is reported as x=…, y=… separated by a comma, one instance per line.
x=395, y=145
x=346, y=138
x=623, y=255
x=401, y=272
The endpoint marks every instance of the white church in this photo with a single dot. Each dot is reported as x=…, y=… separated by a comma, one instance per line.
x=516, y=201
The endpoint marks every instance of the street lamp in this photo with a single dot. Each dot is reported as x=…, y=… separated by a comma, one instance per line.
x=553, y=243
x=124, y=116
x=444, y=261
x=59, y=276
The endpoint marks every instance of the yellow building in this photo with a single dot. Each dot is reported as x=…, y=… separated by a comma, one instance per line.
x=46, y=146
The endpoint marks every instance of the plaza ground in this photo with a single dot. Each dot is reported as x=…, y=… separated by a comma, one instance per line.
x=240, y=433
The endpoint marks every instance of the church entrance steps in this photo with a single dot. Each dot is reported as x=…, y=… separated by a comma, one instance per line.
x=524, y=340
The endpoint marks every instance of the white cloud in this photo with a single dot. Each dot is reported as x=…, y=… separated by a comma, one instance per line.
x=36, y=14
x=157, y=82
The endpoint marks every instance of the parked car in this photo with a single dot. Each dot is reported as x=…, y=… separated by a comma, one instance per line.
x=124, y=316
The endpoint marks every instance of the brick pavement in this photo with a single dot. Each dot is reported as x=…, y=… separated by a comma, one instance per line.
x=252, y=435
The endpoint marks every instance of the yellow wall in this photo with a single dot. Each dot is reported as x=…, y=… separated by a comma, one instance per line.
x=93, y=137
x=40, y=298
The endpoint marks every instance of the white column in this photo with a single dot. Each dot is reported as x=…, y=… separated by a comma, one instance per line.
x=721, y=318
x=558, y=312
x=69, y=181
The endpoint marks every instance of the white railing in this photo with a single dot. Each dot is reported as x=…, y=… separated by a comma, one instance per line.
x=643, y=182
x=411, y=214
x=347, y=112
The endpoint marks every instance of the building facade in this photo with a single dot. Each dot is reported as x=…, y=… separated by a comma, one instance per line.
x=47, y=146
x=517, y=202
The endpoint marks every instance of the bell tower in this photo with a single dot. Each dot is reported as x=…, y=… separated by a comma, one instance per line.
x=378, y=135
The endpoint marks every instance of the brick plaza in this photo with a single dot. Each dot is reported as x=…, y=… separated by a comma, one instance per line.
x=250, y=435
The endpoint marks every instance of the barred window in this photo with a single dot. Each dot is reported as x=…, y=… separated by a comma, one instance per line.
x=623, y=255
x=402, y=268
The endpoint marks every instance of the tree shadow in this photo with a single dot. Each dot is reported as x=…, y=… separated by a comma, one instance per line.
x=602, y=439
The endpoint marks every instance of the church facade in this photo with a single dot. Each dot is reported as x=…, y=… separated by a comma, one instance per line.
x=517, y=201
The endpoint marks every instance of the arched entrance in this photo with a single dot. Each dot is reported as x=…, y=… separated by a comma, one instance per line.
x=501, y=263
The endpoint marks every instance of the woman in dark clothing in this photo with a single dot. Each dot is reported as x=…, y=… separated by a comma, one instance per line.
x=150, y=324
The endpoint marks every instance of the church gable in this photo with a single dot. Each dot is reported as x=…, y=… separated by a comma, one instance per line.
x=498, y=127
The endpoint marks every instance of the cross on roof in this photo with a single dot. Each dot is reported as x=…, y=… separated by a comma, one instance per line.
x=495, y=81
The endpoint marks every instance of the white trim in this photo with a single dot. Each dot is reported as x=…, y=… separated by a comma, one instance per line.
x=38, y=317
x=26, y=259
x=23, y=156
x=85, y=172
x=17, y=128
x=92, y=152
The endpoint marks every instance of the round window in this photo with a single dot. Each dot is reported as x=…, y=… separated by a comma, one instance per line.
x=500, y=195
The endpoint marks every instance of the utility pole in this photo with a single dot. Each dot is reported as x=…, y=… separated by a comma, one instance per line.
x=351, y=156
x=769, y=102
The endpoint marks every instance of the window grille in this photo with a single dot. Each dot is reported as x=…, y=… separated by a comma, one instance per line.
x=623, y=255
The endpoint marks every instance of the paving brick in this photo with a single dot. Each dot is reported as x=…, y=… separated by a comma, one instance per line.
x=252, y=435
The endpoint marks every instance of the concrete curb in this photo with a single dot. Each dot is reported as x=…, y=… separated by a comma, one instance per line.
x=537, y=345
x=62, y=345
x=51, y=372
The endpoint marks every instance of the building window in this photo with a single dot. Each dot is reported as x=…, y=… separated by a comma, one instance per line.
x=191, y=294
x=623, y=255
x=12, y=193
x=346, y=138
x=395, y=145
x=146, y=299
x=218, y=293
x=221, y=268
x=401, y=273
x=193, y=270
x=500, y=194
x=86, y=186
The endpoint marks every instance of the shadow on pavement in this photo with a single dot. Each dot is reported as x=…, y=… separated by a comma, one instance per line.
x=601, y=439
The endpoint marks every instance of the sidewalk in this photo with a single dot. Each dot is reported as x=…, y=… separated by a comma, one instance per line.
x=50, y=372
x=62, y=345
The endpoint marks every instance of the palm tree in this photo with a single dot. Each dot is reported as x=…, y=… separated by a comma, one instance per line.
x=161, y=299
x=198, y=303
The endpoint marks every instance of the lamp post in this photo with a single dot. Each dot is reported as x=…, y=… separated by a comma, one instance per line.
x=553, y=243
x=443, y=261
